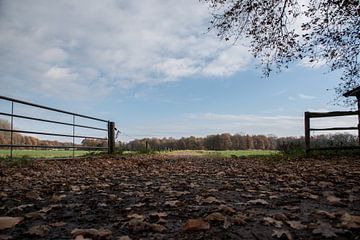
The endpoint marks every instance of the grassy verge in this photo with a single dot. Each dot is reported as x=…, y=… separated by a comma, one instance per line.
x=43, y=153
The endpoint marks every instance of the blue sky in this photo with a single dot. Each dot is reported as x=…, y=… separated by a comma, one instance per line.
x=151, y=66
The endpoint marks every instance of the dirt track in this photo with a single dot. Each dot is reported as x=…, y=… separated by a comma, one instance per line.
x=154, y=198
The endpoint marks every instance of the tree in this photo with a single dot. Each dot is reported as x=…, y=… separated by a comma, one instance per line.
x=284, y=31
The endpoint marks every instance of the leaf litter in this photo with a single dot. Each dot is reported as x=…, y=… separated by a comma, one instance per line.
x=169, y=197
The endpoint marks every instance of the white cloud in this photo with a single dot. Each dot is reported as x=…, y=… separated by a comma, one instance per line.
x=109, y=44
x=304, y=96
x=60, y=73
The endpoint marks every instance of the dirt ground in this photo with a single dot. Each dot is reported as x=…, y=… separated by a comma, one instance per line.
x=168, y=197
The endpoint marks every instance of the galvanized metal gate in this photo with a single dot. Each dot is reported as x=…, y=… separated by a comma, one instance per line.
x=110, y=128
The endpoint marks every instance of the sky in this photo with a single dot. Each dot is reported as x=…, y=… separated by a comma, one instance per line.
x=153, y=68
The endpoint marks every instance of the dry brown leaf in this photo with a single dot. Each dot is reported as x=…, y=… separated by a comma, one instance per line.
x=9, y=222
x=239, y=219
x=282, y=234
x=227, y=210
x=57, y=198
x=157, y=227
x=136, y=216
x=296, y=225
x=39, y=230
x=159, y=214
x=57, y=224
x=138, y=225
x=196, y=225
x=271, y=221
x=227, y=222
x=326, y=230
x=124, y=238
x=215, y=217
x=350, y=221
x=326, y=213
x=35, y=215
x=210, y=200
x=258, y=201
x=80, y=237
x=174, y=203
x=102, y=233
x=50, y=207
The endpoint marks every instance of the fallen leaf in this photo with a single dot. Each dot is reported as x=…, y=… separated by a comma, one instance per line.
x=258, y=201
x=326, y=213
x=283, y=234
x=296, y=225
x=138, y=225
x=9, y=222
x=196, y=225
x=239, y=219
x=226, y=209
x=215, y=217
x=174, y=203
x=57, y=198
x=227, y=222
x=35, y=215
x=331, y=198
x=325, y=229
x=136, y=216
x=210, y=200
x=39, y=230
x=102, y=233
x=271, y=221
x=157, y=227
x=57, y=224
x=124, y=238
x=350, y=221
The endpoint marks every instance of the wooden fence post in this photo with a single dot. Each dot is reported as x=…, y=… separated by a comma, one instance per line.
x=111, y=137
x=307, y=132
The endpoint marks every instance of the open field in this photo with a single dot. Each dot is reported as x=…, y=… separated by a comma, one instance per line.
x=170, y=197
x=227, y=153
x=43, y=153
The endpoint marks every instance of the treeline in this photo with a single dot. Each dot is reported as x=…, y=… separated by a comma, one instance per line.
x=227, y=141
x=19, y=139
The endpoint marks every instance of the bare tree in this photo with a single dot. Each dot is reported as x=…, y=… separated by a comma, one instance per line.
x=284, y=31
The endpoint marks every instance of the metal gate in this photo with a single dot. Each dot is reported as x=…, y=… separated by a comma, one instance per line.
x=109, y=128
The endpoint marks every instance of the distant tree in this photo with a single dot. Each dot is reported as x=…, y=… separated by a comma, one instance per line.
x=283, y=31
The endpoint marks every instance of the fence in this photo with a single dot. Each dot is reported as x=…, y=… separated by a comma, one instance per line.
x=110, y=129
x=309, y=115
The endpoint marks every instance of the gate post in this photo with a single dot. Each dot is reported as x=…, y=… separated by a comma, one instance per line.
x=307, y=132
x=111, y=137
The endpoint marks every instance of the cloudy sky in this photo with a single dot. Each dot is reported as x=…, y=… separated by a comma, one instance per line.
x=152, y=67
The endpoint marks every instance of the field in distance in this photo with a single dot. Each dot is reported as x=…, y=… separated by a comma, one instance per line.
x=225, y=153
x=42, y=153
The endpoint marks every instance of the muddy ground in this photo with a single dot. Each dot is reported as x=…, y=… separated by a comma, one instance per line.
x=157, y=197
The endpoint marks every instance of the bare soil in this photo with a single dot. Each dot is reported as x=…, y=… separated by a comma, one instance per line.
x=155, y=197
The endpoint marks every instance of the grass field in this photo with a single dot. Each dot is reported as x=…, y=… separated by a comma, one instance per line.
x=43, y=153
x=69, y=153
x=228, y=153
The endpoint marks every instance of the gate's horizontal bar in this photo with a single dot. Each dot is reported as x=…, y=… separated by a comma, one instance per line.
x=331, y=114
x=333, y=129
x=51, y=121
x=51, y=109
x=50, y=134
x=39, y=146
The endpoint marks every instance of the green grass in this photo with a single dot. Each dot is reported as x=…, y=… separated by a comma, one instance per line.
x=244, y=153
x=228, y=153
x=44, y=153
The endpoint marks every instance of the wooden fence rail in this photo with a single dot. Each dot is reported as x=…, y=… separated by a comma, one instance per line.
x=308, y=129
